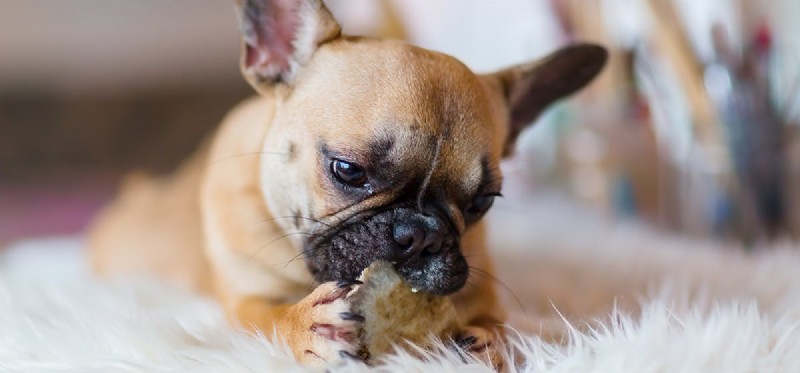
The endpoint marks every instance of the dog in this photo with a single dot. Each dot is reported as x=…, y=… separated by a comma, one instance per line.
x=355, y=149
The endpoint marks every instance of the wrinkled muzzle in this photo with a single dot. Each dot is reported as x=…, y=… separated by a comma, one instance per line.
x=423, y=247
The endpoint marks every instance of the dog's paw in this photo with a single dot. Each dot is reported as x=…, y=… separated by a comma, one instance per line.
x=326, y=328
x=482, y=344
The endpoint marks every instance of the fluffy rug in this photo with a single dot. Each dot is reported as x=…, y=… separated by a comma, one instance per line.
x=586, y=295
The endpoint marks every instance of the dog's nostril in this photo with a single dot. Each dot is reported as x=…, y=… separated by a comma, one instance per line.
x=433, y=243
x=408, y=236
x=415, y=241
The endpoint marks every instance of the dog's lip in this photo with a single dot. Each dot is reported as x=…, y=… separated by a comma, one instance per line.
x=427, y=289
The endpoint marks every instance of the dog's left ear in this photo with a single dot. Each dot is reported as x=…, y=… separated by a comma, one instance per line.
x=528, y=89
x=280, y=36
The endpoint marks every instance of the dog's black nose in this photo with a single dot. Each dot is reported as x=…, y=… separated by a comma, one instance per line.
x=418, y=237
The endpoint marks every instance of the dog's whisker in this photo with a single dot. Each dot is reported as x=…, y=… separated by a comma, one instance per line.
x=336, y=213
x=295, y=217
x=278, y=239
x=471, y=284
x=301, y=256
x=505, y=286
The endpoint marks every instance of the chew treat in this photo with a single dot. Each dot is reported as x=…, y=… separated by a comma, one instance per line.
x=397, y=315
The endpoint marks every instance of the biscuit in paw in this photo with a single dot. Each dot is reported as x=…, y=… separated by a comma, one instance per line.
x=397, y=315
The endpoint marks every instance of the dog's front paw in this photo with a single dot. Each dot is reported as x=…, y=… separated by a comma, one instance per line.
x=325, y=328
x=482, y=344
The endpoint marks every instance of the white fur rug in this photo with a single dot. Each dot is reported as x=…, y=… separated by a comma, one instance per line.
x=682, y=305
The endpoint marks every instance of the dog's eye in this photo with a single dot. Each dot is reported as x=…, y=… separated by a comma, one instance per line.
x=349, y=173
x=481, y=204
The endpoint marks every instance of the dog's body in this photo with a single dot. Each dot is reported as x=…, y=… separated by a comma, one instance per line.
x=356, y=150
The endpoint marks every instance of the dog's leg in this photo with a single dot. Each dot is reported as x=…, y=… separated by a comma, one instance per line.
x=478, y=305
x=484, y=335
x=254, y=267
x=320, y=329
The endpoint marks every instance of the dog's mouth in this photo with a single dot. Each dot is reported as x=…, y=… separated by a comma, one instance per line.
x=344, y=251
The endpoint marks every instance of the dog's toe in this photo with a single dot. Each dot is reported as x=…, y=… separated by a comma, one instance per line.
x=349, y=356
x=332, y=324
x=480, y=343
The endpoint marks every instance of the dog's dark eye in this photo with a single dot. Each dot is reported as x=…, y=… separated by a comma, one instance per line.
x=349, y=173
x=481, y=204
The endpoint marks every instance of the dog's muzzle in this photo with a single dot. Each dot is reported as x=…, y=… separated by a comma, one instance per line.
x=423, y=247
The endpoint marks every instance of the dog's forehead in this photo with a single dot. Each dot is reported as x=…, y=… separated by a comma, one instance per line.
x=420, y=106
x=384, y=78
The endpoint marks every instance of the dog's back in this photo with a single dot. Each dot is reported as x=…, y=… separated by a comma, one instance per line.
x=154, y=227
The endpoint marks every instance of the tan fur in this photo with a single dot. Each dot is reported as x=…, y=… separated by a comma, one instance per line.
x=221, y=223
x=153, y=224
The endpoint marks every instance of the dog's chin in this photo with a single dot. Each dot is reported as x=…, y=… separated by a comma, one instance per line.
x=437, y=275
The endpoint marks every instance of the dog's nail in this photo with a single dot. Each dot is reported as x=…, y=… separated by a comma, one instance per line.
x=349, y=316
x=346, y=355
x=468, y=341
x=325, y=330
x=348, y=283
x=480, y=349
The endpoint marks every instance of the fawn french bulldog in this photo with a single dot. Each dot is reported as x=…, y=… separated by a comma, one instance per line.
x=356, y=149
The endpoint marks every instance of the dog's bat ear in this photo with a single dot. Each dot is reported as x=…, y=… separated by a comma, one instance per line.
x=280, y=36
x=528, y=89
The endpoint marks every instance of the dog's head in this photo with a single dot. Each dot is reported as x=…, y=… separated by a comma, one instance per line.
x=387, y=151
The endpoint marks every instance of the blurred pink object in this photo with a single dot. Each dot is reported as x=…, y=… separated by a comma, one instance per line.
x=35, y=209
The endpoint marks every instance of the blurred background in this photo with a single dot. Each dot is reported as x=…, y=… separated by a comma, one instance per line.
x=693, y=128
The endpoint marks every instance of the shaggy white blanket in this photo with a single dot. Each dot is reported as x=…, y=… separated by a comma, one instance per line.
x=625, y=299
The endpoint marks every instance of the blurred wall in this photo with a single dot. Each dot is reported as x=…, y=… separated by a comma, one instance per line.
x=90, y=89
x=92, y=85
x=117, y=46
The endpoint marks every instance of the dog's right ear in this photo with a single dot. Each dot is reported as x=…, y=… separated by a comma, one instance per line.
x=280, y=36
x=528, y=89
